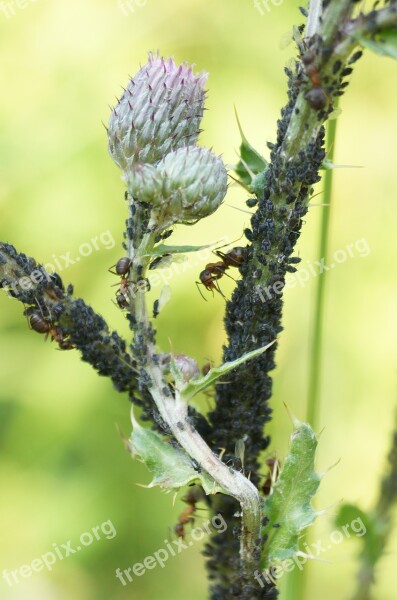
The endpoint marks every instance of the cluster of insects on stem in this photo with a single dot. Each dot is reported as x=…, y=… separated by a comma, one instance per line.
x=44, y=323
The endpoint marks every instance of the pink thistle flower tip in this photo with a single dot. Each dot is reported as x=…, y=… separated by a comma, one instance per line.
x=159, y=112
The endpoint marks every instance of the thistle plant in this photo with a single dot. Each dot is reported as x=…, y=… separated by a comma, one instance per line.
x=153, y=137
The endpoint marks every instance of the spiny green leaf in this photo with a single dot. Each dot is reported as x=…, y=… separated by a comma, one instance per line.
x=171, y=467
x=383, y=43
x=162, y=249
x=199, y=385
x=250, y=166
x=288, y=506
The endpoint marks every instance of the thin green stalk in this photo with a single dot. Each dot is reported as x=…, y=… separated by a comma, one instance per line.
x=297, y=581
x=316, y=351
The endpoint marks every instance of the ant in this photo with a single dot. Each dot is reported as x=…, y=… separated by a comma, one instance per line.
x=42, y=325
x=122, y=300
x=193, y=496
x=316, y=97
x=234, y=258
x=214, y=271
x=209, y=277
x=122, y=267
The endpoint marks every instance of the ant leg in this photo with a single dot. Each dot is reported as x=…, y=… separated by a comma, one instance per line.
x=218, y=289
x=230, y=277
x=201, y=294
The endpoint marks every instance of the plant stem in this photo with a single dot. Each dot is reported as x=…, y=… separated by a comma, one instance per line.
x=174, y=410
x=316, y=352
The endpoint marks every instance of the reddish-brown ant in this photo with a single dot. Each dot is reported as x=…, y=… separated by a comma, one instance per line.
x=234, y=258
x=43, y=325
x=209, y=277
x=191, y=498
x=122, y=267
x=214, y=271
x=316, y=97
x=122, y=301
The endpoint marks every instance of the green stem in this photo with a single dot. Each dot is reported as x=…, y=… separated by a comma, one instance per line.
x=316, y=355
x=174, y=410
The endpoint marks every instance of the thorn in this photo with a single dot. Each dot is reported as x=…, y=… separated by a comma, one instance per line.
x=125, y=440
x=243, y=138
x=330, y=468
x=240, y=183
x=294, y=420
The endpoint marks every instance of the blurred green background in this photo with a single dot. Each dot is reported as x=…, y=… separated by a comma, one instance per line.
x=63, y=466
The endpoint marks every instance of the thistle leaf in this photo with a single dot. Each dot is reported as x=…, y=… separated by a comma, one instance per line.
x=199, y=385
x=288, y=507
x=171, y=467
x=251, y=168
x=383, y=43
x=162, y=249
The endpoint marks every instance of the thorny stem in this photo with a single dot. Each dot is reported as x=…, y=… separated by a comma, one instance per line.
x=173, y=410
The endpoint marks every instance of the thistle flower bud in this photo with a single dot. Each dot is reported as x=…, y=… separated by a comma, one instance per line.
x=194, y=184
x=160, y=111
x=144, y=183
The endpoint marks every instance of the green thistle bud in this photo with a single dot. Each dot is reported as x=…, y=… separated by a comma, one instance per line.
x=144, y=183
x=160, y=111
x=194, y=184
